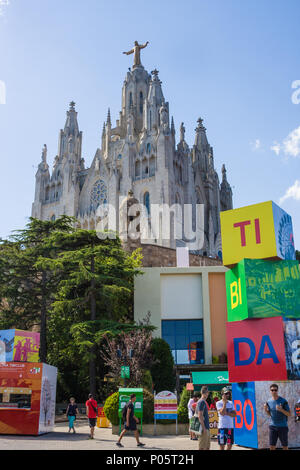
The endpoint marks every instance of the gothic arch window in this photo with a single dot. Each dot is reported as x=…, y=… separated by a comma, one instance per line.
x=141, y=102
x=147, y=202
x=150, y=120
x=130, y=100
x=145, y=168
x=47, y=196
x=148, y=147
x=152, y=166
x=137, y=169
x=98, y=195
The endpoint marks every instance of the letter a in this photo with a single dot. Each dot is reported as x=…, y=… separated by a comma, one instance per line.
x=262, y=355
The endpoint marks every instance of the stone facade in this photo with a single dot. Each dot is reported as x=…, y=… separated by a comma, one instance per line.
x=162, y=256
x=138, y=154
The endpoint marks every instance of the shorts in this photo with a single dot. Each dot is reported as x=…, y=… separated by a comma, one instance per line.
x=92, y=422
x=225, y=436
x=204, y=440
x=277, y=432
x=131, y=427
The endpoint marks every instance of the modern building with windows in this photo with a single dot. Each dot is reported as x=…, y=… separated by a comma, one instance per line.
x=188, y=308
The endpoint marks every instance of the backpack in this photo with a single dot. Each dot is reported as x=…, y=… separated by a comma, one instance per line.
x=124, y=412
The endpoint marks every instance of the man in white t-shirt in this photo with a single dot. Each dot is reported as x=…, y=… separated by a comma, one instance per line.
x=226, y=414
x=191, y=411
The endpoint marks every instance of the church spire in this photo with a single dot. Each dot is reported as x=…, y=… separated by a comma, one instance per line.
x=172, y=126
x=200, y=138
x=108, y=119
x=71, y=126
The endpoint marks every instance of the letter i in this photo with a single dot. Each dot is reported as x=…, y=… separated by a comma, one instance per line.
x=240, y=291
x=257, y=231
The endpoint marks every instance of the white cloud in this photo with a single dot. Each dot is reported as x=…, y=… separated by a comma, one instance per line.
x=3, y=3
x=293, y=192
x=276, y=147
x=290, y=145
x=256, y=145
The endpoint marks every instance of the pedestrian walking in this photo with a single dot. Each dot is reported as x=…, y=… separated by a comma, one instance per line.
x=130, y=422
x=91, y=412
x=202, y=412
x=192, y=405
x=279, y=411
x=72, y=412
x=226, y=413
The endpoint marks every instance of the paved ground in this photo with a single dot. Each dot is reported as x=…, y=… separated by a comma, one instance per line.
x=60, y=439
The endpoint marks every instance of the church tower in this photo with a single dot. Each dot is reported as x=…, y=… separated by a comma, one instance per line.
x=58, y=194
x=137, y=155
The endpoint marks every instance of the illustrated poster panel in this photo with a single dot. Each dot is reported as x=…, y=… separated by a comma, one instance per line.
x=291, y=392
x=26, y=346
x=48, y=399
x=292, y=349
x=283, y=233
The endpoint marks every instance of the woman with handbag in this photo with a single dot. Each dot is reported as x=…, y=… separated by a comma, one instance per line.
x=71, y=413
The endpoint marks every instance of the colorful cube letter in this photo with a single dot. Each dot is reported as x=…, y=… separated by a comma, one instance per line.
x=252, y=422
x=259, y=231
x=256, y=350
x=260, y=289
x=19, y=346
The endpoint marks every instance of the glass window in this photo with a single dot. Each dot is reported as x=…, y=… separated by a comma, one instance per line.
x=20, y=400
x=147, y=201
x=185, y=338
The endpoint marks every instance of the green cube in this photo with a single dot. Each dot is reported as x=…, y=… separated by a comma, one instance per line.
x=259, y=289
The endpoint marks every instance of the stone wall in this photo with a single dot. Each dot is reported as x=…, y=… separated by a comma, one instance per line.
x=155, y=256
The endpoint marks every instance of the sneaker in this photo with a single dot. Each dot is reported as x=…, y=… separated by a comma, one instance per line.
x=140, y=444
x=119, y=444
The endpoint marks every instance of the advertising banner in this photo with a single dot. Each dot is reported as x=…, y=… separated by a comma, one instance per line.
x=19, y=346
x=256, y=350
x=165, y=405
x=243, y=397
x=259, y=231
x=252, y=423
x=292, y=348
x=23, y=404
x=260, y=289
x=213, y=422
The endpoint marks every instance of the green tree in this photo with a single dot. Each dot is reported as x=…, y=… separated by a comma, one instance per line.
x=27, y=288
x=93, y=298
x=162, y=367
x=298, y=255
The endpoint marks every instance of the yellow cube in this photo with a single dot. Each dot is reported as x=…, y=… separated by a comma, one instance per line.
x=260, y=231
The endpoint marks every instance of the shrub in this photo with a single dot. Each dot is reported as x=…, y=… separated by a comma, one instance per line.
x=162, y=368
x=111, y=407
x=147, y=380
x=183, y=416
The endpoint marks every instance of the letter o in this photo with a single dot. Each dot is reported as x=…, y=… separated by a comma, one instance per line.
x=248, y=426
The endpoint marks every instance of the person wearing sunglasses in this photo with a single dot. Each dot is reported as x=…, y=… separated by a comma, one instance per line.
x=278, y=410
x=226, y=413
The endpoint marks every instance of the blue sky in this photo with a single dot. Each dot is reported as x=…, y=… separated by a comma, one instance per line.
x=232, y=62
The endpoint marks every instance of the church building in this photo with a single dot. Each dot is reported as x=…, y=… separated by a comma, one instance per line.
x=138, y=155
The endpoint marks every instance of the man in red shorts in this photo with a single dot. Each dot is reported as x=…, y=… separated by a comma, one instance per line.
x=91, y=412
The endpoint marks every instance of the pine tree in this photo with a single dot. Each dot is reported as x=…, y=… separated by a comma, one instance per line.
x=27, y=288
